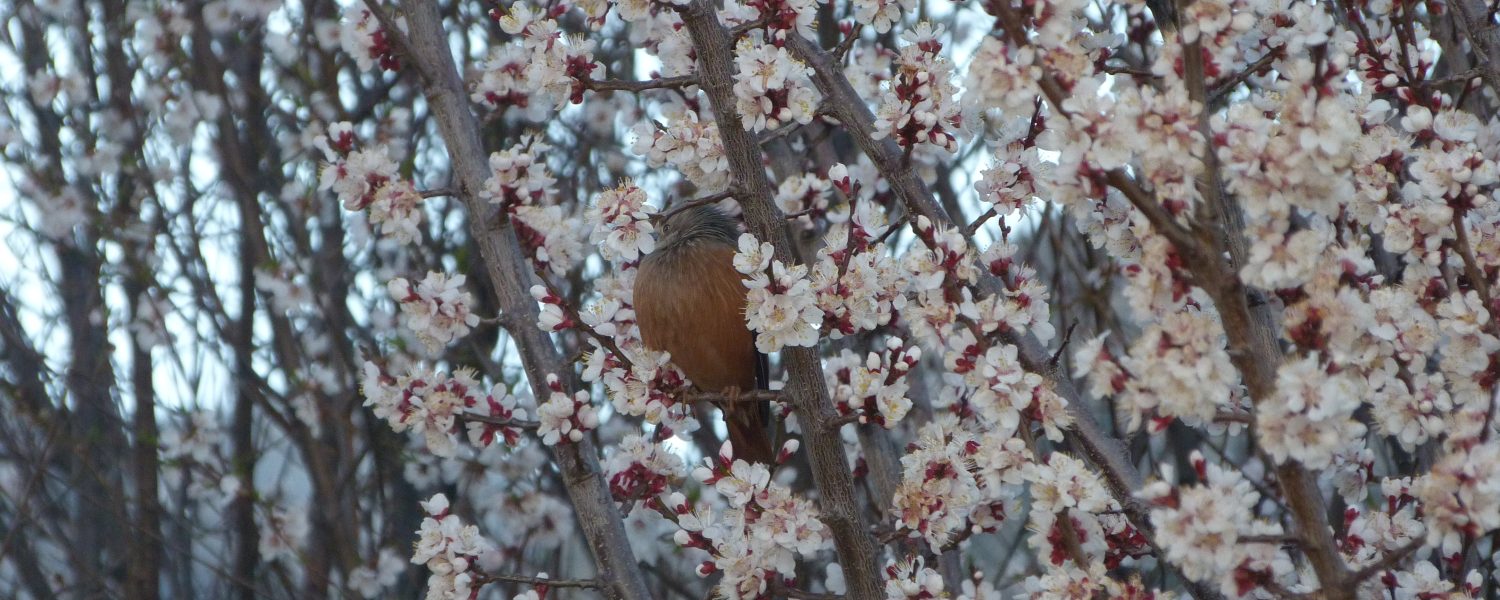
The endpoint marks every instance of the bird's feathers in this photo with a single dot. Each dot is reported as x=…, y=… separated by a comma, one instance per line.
x=690, y=302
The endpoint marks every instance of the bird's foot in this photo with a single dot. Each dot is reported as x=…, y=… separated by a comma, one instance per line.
x=731, y=396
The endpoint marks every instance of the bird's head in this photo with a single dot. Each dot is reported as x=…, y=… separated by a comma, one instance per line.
x=696, y=225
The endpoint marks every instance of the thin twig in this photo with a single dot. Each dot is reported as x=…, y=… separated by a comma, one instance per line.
x=694, y=203
x=1222, y=90
x=753, y=396
x=496, y=421
x=541, y=581
x=641, y=86
x=1385, y=562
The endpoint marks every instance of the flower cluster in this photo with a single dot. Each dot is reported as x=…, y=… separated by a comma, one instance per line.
x=875, y=388
x=621, y=222
x=372, y=580
x=921, y=105
x=780, y=307
x=421, y=401
x=771, y=87
x=542, y=69
x=1177, y=368
x=806, y=196
x=1311, y=417
x=564, y=418
x=785, y=16
x=1206, y=530
x=522, y=185
x=912, y=579
x=450, y=550
x=882, y=14
x=362, y=37
x=436, y=309
x=955, y=482
x=689, y=143
x=859, y=287
x=1010, y=182
x=647, y=386
x=367, y=178
x=640, y=469
x=433, y=404
x=755, y=541
x=1461, y=496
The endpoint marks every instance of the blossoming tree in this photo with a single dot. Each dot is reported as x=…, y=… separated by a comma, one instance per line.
x=1183, y=298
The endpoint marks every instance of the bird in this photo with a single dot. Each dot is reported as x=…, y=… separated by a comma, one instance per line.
x=689, y=301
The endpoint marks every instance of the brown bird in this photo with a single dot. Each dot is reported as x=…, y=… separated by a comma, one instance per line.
x=689, y=301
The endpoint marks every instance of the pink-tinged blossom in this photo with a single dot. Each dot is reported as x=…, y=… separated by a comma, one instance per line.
x=564, y=418
x=436, y=309
x=372, y=580
x=1177, y=368
x=503, y=84
x=450, y=550
x=874, y=388
x=780, y=306
x=1460, y=498
x=880, y=15
x=1010, y=181
x=687, y=142
x=367, y=178
x=362, y=37
x=424, y=402
x=552, y=318
x=640, y=469
x=858, y=286
x=920, y=106
x=503, y=420
x=647, y=387
x=1063, y=482
x=758, y=538
x=1002, y=77
x=754, y=256
x=283, y=532
x=621, y=222
x=805, y=195
x=912, y=579
x=955, y=482
x=770, y=87
x=519, y=176
x=552, y=235
x=1200, y=528
x=1311, y=416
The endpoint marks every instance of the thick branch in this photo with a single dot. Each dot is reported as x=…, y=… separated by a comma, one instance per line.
x=427, y=47
x=857, y=551
x=1473, y=17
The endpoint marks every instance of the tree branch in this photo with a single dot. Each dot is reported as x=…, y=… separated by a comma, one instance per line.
x=858, y=553
x=509, y=269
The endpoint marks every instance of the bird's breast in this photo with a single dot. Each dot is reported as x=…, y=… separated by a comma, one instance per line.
x=690, y=302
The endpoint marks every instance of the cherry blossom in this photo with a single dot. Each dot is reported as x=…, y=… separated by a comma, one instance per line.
x=436, y=309
x=771, y=87
x=564, y=417
x=450, y=550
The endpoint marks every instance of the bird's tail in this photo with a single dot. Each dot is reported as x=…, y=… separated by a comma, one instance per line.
x=750, y=433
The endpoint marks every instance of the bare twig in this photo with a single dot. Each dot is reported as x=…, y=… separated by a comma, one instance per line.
x=602, y=85
x=540, y=581
x=694, y=203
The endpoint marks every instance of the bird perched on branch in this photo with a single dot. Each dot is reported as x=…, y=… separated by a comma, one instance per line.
x=689, y=301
